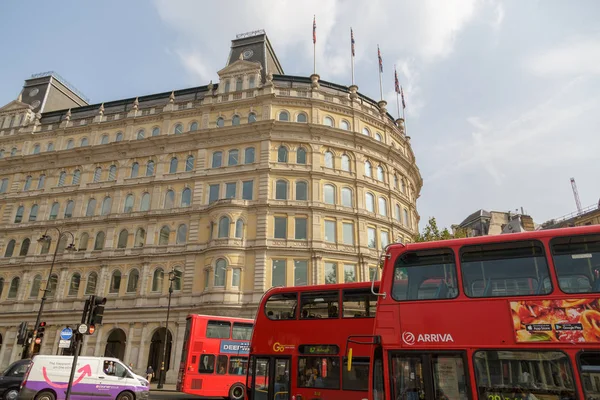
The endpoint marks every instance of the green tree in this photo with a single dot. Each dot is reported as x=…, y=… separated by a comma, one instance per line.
x=432, y=232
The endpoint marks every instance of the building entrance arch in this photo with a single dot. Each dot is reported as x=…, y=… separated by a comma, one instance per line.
x=157, y=350
x=115, y=344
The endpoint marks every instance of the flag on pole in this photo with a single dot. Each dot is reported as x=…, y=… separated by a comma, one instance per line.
x=396, y=83
x=315, y=29
x=380, y=60
x=402, y=95
x=352, y=41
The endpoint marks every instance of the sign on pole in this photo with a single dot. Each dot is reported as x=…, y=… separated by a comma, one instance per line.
x=64, y=344
x=66, y=334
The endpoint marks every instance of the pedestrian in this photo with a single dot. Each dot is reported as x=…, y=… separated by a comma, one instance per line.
x=149, y=373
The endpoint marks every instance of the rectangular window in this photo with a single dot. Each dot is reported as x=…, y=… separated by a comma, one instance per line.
x=278, y=273
x=348, y=233
x=359, y=303
x=576, y=258
x=281, y=306
x=218, y=329
x=358, y=376
x=207, y=364
x=505, y=269
x=300, y=233
x=319, y=372
x=247, y=190
x=280, y=228
x=238, y=365
x=330, y=231
x=241, y=331
x=230, y=190
x=213, y=193
x=221, y=365
x=385, y=239
x=371, y=238
x=300, y=272
x=330, y=272
x=319, y=304
x=349, y=273
x=589, y=364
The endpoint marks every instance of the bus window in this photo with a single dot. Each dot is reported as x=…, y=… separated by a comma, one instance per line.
x=218, y=329
x=358, y=303
x=319, y=372
x=261, y=379
x=207, y=364
x=505, y=269
x=282, y=379
x=238, y=365
x=519, y=374
x=221, y=365
x=425, y=275
x=589, y=363
x=358, y=376
x=281, y=306
x=577, y=262
x=241, y=331
x=319, y=305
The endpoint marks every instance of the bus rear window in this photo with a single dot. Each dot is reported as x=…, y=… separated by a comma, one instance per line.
x=241, y=331
x=577, y=263
x=505, y=269
x=425, y=275
x=218, y=329
x=359, y=303
x=319, y=305
x=281, y=306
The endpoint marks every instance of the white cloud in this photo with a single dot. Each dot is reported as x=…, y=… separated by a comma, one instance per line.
x=576, y=56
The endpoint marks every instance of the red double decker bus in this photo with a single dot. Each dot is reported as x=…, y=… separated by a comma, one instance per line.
x=514, y=316
x=214, y=358
x=299, y=344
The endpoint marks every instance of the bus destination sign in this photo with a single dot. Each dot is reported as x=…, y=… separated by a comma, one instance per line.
x=231, y=347
x=318, y=349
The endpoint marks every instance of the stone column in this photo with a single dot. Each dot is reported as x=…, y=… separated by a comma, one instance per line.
x=14, y=354
x=140, y=361
x=176, y=349
x=97, y=347
x=3, y=350
x=57, y=336
x=129, y=343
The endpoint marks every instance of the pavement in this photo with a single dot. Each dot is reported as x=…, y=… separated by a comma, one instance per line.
x=168, y=392
x=166, y=388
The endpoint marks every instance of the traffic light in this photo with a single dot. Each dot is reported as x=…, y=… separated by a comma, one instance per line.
x=96, y=310
x=40, y=331
x=22, y=333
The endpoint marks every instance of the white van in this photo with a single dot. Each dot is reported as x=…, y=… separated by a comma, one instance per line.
x=95, y=377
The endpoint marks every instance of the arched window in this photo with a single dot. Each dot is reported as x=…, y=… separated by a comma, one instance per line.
x=220, y=122
x=178, y=129
x=156, y=131
x=406, y=219
x=112, y=173
x=368, y=169
x=145, y=204
x=91, y=208
x=251, y=117
x=163, y=238
x=382, y=206
x=378, y=137
x=52, y=283
x=70, y=144
x=347, y=197
x=233, y=157
x=220, y=270
x=140, y=238
x=99, y=242
x=189, y=163
x=35, y=287
x=301, y=155
x=186, y=197
x=396, y=181
x=54, y=211
x=380, y=174
x=284, y=116
x=217, y=159
x=76, y=177
x=97, y=174
x=83, y=241
x=403, y=186
x=181, y=234
x=366, y=132
x=135, y=168
x=74, y=285
x=84, y=142
x=329, y=194
x=235, y=120
x=33, y=213
x=4, y=185
x=239, y=83
x=227, y=86
x=239, y=228
x=19, y=214
x=345, y=125
x=249, y=155
x=398, y=215
x=61, y=178
x=177, y=275
x=104, y=139
x=251, y=83
x=328, y=121
x=224, y=223
x=193, y=126
x=301, y=190
x=282, y=154
x=157, y=280
x=169, y=199
x=50, y=147
x=345, y=163
x=123, y=236
x=90, y=287
x=27, y=184
x=150, y=168
x=281, y=190
x=36, y=149
x=41, y=181
x=141, y=134
x=301, y=117
x=119, y=137
x=69, y=209
x=328, y=159
x=115, y=282
x=24, y=247
x=370, y=202
x=106, y=206
x=173, y=165
x=132, y=281
x=13, y=151
x=14, y=288
x=128, y=204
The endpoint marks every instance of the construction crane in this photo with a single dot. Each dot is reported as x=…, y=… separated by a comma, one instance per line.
x=576, y=195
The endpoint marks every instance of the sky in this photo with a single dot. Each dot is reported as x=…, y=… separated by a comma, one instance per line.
x=502, y=97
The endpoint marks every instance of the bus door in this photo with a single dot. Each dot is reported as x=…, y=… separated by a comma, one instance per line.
x=270, y=378
x=429, y=375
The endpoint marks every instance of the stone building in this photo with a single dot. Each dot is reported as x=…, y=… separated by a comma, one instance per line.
x=258, y=180
x=484, y=223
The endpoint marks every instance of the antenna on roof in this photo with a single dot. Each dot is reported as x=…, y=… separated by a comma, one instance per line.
x=576, y=195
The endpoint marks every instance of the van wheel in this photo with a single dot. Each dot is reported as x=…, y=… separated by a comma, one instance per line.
x=125, y=396
x=236, y=392
x=11, y=394
x=45, y=395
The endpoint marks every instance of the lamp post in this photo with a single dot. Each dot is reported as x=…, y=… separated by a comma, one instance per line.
x=70, y=247
x=163, y=374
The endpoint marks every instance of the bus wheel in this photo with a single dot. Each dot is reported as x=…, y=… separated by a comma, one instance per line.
x=236, y=392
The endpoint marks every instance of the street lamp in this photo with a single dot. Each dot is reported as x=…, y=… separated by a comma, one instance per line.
x=71, y=247
x=163, y=374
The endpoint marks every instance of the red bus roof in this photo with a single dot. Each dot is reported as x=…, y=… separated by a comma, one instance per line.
x=219, y=318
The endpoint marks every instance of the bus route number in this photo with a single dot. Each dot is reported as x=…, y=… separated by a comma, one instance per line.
x=498, y=396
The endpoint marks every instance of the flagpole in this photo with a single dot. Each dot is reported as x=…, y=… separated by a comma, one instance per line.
x=380, y=68
x=352, y=53
x=397, y=99
x=314, y=44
